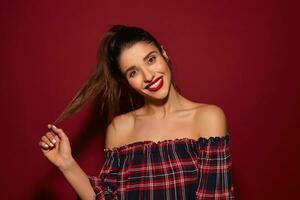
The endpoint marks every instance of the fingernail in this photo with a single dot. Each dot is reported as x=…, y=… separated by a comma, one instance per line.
x=46, y=145
x=51, y=145
x=54, y=126
x=53, y=140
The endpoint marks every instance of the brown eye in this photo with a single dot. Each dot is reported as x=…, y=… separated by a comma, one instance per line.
x=132, y=73
x=152, y=59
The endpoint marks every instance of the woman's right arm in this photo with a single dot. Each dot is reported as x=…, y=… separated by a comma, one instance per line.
x=56, y=147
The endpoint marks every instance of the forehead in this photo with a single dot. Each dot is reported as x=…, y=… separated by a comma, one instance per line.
x=135, y=54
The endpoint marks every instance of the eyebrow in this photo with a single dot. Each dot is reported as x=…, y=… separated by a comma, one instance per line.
x=144, y=59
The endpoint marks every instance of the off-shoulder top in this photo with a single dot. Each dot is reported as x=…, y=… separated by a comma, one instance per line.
x=170, y=169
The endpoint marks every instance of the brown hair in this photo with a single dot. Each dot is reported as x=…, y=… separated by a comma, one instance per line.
x=107, y=84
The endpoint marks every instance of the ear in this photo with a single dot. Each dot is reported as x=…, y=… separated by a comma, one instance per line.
x=164, y=53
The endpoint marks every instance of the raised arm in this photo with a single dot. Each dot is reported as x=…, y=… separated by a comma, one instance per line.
x=56, y=147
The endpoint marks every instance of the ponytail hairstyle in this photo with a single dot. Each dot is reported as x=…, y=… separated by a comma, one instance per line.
x=107, y=84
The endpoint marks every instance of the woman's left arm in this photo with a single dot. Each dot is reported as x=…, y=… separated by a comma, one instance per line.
x=214, y=157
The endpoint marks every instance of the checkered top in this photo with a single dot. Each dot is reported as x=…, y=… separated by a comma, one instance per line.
x=170, y=169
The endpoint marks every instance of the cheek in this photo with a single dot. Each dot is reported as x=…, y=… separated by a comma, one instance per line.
x=162, y=66
x=135, y=83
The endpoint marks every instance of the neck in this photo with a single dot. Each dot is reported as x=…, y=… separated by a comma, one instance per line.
x=161, y=109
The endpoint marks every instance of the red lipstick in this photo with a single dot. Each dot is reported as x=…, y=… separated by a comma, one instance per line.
x=155, y=84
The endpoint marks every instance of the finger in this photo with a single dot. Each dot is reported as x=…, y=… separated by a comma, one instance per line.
x=47, y=141
x=51, y=137
x=57, y=139
x=58, y=131
x=43, y=145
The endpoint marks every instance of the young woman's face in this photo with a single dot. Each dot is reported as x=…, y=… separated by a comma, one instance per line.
x=146, y=70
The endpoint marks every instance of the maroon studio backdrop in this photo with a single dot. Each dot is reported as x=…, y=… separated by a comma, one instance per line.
x=239, y=55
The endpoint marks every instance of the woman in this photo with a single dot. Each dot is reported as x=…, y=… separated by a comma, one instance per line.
x=163, y=146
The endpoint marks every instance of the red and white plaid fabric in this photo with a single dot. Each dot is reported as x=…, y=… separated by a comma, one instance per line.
x=170, y=169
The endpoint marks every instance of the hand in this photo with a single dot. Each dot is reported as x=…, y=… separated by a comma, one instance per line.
x=56, y=147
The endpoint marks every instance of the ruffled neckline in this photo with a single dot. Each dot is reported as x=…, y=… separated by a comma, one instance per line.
x=201, y=140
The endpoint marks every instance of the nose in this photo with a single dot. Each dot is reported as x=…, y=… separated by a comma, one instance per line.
x=148, y=75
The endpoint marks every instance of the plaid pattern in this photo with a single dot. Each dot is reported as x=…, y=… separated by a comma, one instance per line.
x=170, y=169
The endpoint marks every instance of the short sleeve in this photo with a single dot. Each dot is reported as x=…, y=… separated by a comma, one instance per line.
x=214, y=163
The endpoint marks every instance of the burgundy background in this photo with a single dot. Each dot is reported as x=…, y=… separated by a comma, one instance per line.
x=239, y=55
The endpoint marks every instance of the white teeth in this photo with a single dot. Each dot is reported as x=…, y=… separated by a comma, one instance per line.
x=156, y=84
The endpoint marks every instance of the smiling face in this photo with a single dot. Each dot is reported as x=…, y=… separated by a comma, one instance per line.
x=146, y=70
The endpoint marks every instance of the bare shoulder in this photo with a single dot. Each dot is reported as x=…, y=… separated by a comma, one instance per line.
x=212, y=121
x=118, y=130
